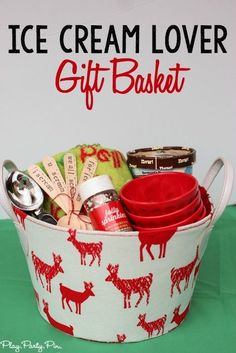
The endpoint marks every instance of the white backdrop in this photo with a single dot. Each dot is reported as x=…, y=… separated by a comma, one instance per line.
x=37, y=120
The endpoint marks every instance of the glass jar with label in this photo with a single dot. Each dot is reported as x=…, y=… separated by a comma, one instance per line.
x=103, y=206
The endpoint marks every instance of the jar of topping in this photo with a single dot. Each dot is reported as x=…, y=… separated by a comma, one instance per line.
x=103, y=206
x=161, y=159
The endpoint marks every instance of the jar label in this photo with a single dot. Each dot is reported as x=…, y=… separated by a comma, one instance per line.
x=110, y=217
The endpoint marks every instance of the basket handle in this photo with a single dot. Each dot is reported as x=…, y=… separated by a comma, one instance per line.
x=227, y=184
x=8, y=166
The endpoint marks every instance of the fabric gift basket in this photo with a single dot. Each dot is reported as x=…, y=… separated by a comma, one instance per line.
x=105, y=286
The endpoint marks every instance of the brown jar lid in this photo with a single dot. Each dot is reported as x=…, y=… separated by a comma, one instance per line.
x=168, y=157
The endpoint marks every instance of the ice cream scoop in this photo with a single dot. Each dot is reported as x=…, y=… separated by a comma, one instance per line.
x=25, y=194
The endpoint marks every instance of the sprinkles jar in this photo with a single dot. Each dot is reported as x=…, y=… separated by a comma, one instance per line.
x=103, y=206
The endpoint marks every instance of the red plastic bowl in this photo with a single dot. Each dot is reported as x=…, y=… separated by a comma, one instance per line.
x=169, y=218
x=197, y=216
x=158, y=194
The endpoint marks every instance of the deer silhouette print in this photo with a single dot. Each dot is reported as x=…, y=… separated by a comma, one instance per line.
x=46, y=270
x=149, y=238
x=177, y=317
x=151, y=326
x=20, y=215
x=56, y=324
x=78, y=298
x=36, y=296
x=93, y=249
x=182, y=274
x=127, y=287
x=197, y=268
x=121, y=338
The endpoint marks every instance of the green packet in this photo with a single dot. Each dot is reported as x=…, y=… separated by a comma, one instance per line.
x=110, y=162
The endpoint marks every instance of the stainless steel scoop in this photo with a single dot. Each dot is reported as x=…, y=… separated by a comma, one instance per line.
x=25, y=194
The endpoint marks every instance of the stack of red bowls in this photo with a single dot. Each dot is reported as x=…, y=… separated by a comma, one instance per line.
x=163, y=200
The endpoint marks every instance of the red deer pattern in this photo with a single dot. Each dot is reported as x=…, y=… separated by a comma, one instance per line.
x=182, y=274
x=20, y=215
x=151, y=326
x=93, y=249
x=46, y=270
x=78, y=298
x=197, y=268
x=36, y=296
x=121, y=338
x=147, y=239
x=56, y=324
x=127, y=287
x=177, y=317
